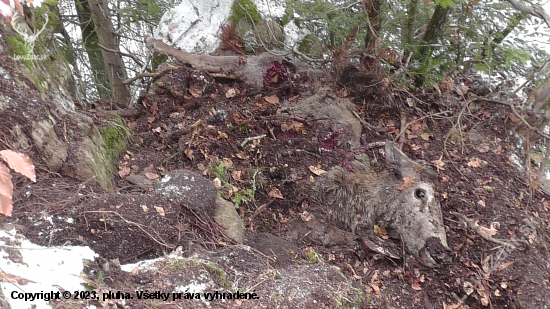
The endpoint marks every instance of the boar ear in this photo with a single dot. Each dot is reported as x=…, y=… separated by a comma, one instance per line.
x=399, y=162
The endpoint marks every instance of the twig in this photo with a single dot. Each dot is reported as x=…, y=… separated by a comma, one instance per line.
x=142, y=75
x=257, y=212
x=138, y=225
x=513, y=108
x=251, y=139
x=476, y=228
x=424, y=117
x=365, y=124
x=122, y=54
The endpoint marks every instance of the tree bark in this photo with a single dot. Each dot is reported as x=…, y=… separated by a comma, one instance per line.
x=374, y=23
x=113, y=61
x=434, y=30
x=409, y=26
x=95, y=56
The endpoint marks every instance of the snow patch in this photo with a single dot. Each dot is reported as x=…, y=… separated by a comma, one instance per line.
x=46, y=268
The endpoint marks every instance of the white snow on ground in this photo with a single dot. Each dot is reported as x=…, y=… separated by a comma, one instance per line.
x=45, y=268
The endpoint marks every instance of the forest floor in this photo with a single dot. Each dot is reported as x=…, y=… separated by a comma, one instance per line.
x=201, y=124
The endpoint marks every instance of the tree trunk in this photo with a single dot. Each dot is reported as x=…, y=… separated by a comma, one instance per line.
x=113, y=62
x=409, y=26
x=90, y=40
x=434, y=30
x=374, y=23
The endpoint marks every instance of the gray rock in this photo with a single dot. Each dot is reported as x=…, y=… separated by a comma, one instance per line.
x=189, y=188
x=227, y=217
x=282, y=251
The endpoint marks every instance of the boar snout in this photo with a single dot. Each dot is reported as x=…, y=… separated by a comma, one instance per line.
x=434, y=253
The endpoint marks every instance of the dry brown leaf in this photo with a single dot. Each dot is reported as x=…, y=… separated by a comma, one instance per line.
x=285, y=127
x=376, y=289
x=227, y=163
x=152, y=176
x=6, y=187
x=298, y=126
x=189, y=153
x=455, y=306
x=230, y=93
x=384, y=84
x=503, y=266
x=195, y=90
x=380, y=231
x=491, y=231
x=439, y=164
x=125, y=171
x=426, y=136
x=485, y=300
x=317, y=171
x=160, y=210
x=6, y=205
x=416, y=286
x=242, y=155
x=272, y=99
x=483, y=148
x=20, y=163
x=476, y=162
x=275, y=193
x=236, y=175
x=305, y=216
x=5, y=277
x=407, y=182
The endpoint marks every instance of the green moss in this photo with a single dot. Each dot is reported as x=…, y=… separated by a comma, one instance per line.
x=313, y=257
x=218, y=272
x=19, y=48
x=245, y=9
x=53, y=19
x=195, y=262
x=158, y=59
x=115, y=138
x=50, y=2
x=311, y=46
x=289, y=14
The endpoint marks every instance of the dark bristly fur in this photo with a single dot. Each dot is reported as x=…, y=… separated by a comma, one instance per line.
x=364, y=198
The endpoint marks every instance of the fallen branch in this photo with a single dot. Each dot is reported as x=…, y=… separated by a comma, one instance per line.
x=142, y=75
x=251, y=139
x=476, y=228
x=250, y=69
x=513, y=108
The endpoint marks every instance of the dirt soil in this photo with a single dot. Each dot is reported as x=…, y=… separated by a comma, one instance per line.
x=192, y=121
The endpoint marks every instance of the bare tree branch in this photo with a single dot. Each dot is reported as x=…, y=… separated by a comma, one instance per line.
x=534, y=10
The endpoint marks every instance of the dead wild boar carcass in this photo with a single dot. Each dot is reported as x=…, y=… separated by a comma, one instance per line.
x=363, y=197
